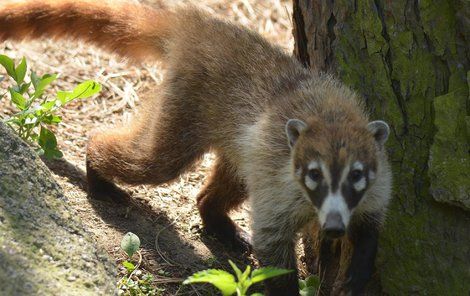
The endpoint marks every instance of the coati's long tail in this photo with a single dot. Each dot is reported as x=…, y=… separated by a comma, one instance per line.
x=134, y=31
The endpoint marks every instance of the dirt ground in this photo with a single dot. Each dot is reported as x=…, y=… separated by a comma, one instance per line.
x=164, y=217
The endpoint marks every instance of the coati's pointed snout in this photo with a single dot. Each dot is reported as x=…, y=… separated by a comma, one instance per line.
x=334, y=226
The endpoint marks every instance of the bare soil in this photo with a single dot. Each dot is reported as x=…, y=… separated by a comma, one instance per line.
x=164, y=217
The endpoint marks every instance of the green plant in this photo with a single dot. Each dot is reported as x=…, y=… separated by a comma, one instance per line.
x=36, y=110
x=135, y=282
x=309, y=286
x=226, y=283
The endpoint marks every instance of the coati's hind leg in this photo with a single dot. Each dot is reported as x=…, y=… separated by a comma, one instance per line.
x=156, y=150
x=223, y=192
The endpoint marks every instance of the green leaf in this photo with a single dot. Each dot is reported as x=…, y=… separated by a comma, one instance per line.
x=48, y=105
x=48, y=143
x=129, y=266
x=312, y=281
x=23, y=88
x=130, y=243
x=9, y=65
x=309, y=286
x=257, y=294
x=238, y=272
x=221, y=279
x=53, y=154
x=30, y=110
x=52, y=119
x=264, y=273
x=84, y=90
x=308, y=291
x=246, y=274
x=63, y=96
x=18, y=99
x=21, y=71
x=81, y=91
x=43, y=83
x=47, y=139
x=35, y=79
x=34, y=137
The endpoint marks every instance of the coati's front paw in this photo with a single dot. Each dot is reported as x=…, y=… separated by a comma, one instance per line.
x=101, y=189
x=230, y=235
x=242, y=240
x=107, y=191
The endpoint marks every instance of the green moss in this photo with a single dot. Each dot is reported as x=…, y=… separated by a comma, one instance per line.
x=449, y=165
x=438, y=21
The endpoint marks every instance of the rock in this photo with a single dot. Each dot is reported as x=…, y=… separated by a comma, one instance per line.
x=44, y=249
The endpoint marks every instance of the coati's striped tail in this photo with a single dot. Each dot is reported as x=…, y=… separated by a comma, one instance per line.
x=133, y=31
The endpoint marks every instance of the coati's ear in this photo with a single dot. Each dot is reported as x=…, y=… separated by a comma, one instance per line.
x=293, y=129
x=380, y=130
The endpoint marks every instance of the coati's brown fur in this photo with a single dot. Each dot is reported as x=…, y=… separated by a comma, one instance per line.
x=121, y=27
x=229, y=91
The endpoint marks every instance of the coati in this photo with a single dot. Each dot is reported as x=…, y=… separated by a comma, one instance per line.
x=296, y=143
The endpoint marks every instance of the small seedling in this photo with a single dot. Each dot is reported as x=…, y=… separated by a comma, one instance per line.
x=226, y=283
x=37, y=112
x=130, y=244
x=135, y=282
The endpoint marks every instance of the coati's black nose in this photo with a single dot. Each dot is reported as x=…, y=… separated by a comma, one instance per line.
x=334, y=226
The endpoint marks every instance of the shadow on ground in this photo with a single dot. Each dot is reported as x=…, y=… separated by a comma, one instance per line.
x=163, y=247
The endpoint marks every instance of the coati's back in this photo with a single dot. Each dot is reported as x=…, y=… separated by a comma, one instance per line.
x=226, y=72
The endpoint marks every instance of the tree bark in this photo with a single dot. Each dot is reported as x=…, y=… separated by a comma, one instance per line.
x=410, y=62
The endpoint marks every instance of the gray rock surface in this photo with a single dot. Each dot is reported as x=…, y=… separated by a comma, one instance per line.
x=44, y=249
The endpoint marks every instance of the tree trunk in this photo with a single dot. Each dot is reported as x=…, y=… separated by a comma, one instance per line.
x=410, y=61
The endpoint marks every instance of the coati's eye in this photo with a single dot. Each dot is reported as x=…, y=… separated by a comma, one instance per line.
x=356, y=175
x=315, y=175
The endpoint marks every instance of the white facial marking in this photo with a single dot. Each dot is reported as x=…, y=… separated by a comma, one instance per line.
x=334, y=202
x=310, y=183
x=326, y=173
x=344, y=175
x=371, y=175
x=360, y=185
x=298, y=172
x=313, y=165
x=358, y=166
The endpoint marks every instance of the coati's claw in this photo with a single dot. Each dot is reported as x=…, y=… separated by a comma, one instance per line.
x=242, y=241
